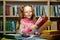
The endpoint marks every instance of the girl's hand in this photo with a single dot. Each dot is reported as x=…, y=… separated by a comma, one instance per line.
x=33, y=27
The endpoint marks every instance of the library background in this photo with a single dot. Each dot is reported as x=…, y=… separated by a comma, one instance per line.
x=9, y=16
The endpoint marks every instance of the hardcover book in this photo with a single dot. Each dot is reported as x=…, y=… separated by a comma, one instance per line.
x=41, y=21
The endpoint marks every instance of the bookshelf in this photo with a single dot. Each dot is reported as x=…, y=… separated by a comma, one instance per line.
x=7, y=17
x=1, y=16
x=56, y=16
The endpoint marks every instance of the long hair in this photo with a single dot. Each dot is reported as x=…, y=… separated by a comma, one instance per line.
x=21, y=13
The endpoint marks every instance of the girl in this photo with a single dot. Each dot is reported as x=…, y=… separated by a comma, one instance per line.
x=26, y=19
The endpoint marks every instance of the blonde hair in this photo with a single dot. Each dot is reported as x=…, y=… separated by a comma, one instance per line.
x=21, y=12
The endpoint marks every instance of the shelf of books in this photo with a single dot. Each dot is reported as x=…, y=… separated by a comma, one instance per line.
x=1, y=24
x=1, y=8
x=55, y=14
x=1, y=16
x=11, y=12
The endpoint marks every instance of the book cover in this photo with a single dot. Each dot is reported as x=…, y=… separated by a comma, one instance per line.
x=41, y=21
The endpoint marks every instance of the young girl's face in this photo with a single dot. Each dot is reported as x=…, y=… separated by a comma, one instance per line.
x=28, y=12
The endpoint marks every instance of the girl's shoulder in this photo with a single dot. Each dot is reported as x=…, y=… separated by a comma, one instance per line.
x=23, y=20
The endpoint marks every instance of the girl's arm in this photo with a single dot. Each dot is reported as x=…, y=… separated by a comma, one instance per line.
x=21, y=27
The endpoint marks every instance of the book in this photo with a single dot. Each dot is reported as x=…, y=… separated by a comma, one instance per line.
x=39, y=10
x=1, y=9
x=58, y=25
x=52, y=11
x=41, y=21
x=46, y=10
x=45, y=25
x=7, y=10
x=8, y=26
x=13, y=26
x=11, y=11
x=1, y=25
x=59, y=9
x=56, y=10
x=54, y=25
x=15, y=8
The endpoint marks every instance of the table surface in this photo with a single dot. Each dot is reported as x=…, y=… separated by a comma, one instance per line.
x=19, y=36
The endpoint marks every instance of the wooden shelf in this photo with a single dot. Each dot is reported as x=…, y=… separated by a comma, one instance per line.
x=1, y=31
x=54, y=18
x=11, y=16
x=26, y=0
x=1, y=0
x=1, y=16
x=54, y=2
x=10, y=32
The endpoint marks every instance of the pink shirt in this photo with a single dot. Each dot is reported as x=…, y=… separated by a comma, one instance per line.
x=26, y=25
x=26, y=22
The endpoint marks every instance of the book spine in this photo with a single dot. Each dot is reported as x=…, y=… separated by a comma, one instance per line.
x=56, y=10
x=15, y=10
x=58, y=25
x=59, y=9
x=52, y=11
x=46, y=10
x=37, y=10
x=13, y=26
x=41, y=10
x=7, y=10
x=11, y=11
x=1, y=9
x=8, y=26
x=1, y=25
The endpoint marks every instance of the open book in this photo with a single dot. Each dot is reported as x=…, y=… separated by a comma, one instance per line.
x=41, y=21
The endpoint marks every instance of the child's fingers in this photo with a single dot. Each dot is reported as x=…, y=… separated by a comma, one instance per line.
x=33, y=27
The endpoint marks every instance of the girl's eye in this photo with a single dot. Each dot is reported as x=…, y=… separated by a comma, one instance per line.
x=28, y=12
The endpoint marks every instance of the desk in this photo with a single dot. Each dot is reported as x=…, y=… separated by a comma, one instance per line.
x=19, y=37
